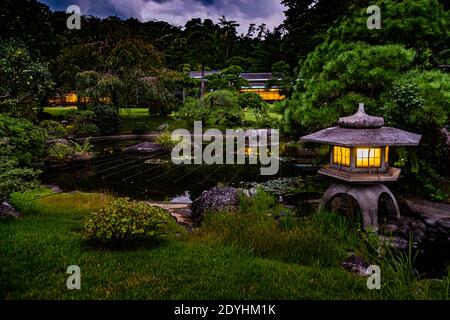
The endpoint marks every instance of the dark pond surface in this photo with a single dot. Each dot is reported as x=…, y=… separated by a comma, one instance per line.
x=153, y=176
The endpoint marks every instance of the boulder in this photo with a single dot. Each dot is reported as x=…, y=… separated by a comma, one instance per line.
x=356, y=265
x=8, y=211
x=163, y=127
x=217, y=198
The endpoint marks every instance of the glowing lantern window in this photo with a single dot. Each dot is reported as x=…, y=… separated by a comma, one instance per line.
x=368, y=157
x=341, y=156
x=386, y=155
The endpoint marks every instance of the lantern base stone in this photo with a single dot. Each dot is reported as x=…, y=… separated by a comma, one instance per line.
x=367, y=197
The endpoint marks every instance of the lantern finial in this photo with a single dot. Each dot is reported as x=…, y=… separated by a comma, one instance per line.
x=361, y=108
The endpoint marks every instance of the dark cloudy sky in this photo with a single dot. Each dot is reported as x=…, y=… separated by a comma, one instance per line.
x=179, y=11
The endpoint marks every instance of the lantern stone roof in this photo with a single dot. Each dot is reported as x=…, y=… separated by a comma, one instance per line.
x=361, y=120
x=361, y=129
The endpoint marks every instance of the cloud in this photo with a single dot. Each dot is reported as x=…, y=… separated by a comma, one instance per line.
x=178, y=12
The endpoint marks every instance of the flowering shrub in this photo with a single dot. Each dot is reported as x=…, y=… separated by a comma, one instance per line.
x=125, y=220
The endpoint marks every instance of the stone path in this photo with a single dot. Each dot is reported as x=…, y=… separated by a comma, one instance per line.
x=180, y=211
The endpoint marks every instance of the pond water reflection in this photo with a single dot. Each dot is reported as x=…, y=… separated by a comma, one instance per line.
x=153, y=176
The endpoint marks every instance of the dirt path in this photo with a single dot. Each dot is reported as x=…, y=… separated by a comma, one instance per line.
x=180, y=211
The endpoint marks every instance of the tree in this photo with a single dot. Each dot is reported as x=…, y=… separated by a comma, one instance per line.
x=229, y=78
x=281, y=78
x=307, y=22
x=357, y=64
x=218, y=106
x=251, y=100
x=228, y=34
x=386, y=69
x=30, y=22
x=202, y=46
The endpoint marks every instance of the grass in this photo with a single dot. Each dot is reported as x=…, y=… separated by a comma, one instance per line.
x=58, y=112
x=232, y=256
x=251, y=117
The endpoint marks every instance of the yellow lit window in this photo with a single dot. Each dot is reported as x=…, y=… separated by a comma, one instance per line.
x=386, y=155
x=341, y=156
x=368, y=157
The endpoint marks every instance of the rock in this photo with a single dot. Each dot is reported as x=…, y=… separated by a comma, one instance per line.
x=145, y=147
x=446, y=135
x=55, y=188
x=391, y=228
x=217, y=198
x=427, y=221
x=163, y=127
x=424, y=209
x=8, y=211
x=356, y=265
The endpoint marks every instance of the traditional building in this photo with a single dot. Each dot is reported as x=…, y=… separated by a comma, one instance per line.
x=257, y=83
x=68, y=99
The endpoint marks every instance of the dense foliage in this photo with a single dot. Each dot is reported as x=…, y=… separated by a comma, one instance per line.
x=21, y=144
x=251, y=100
x=14, y=178
x=21, y=140
x=216, y=107
x=392, y=70
x=124, y=220
x=24, y=82
x=68, y=151
x=107, y=119
x=55, y=130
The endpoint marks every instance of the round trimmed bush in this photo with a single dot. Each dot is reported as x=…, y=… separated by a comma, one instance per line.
x=107, y=119
x=251, y=100
x=125, y=220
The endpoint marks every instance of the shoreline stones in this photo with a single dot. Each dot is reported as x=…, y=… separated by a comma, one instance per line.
x=8, y=211
x=356, y=265
x=217, y=198
x=425, y=221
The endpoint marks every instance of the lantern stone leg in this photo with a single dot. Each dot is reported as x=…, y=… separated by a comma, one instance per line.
x=367, y=197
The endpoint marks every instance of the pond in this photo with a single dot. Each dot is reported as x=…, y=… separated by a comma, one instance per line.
x=153, y=176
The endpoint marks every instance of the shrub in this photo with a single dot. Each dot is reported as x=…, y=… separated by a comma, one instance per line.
x=83, y=122
x=124, y=220
x=80, y=116
x=264, y=120
x=140, y=128
x=251, y=100
x=191, y=110
x=107, y=119
x=85, y=129
x=21, y=140
x=59, y=151
x=221, y=106
x=14, y=178
x=165, y=141
x=69, y=151
x=54, y=129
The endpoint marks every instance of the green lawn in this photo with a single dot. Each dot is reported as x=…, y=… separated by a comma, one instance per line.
x=133, y=116
x=36, y=250
x=58, y=112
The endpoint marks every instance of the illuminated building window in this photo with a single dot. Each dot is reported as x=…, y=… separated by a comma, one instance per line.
x=341, y=155
x=368, y=157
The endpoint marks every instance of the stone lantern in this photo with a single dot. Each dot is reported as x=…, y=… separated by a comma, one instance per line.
x=359, y=160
